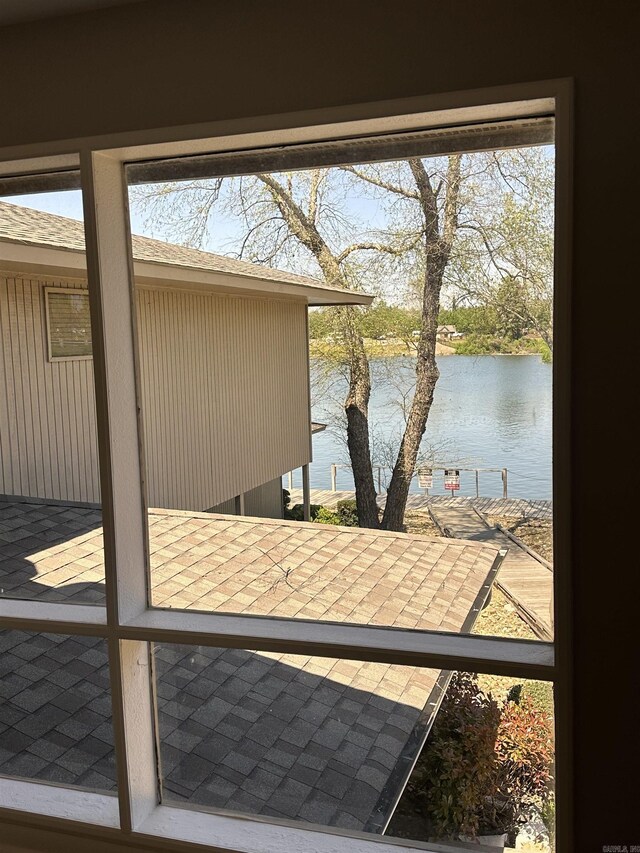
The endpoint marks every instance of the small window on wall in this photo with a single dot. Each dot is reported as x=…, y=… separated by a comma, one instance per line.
x=68, y=323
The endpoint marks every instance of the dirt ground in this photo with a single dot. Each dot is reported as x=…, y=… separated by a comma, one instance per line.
x=534, y=532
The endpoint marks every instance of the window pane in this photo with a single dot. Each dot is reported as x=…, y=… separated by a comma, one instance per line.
x=264, y=362
x=55, y=713
x=69, y=324
x=50, y=516
x=335, y=742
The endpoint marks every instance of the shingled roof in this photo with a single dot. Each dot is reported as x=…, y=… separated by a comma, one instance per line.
x=24, y=226
x=322, y=740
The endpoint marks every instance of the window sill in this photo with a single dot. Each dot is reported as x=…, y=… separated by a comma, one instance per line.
x=52, y=811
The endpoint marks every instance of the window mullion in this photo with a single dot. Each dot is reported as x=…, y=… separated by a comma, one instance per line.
x=111, y=294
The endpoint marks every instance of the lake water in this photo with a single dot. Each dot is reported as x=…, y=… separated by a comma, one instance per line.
x=488, y=412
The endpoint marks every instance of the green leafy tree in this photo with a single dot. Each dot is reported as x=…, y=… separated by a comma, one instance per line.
x=508, y=237
x=511, y=308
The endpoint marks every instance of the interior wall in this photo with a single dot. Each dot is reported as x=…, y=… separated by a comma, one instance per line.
x=156, y=64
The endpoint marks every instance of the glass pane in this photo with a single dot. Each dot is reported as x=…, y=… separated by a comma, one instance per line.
x=69, y=323
x=55, y=713
x=50, y=516
x=357, y=745
x=257, y=358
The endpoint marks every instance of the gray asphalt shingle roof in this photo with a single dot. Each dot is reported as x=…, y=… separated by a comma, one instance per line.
x=327, y=741
x=33, y=227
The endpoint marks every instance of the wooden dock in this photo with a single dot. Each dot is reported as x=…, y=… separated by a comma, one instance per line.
x=525, y=579
x=512, y=507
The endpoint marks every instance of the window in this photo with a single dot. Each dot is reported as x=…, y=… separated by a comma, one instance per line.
x=68, y=323
x=154, y=652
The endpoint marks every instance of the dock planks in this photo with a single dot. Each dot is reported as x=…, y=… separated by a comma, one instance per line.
x=513, y=507
x=525, y=581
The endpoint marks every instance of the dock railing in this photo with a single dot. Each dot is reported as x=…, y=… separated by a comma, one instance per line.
x=439, y=467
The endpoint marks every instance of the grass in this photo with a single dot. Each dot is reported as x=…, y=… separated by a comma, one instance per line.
x=491, y=345
x=326, y=349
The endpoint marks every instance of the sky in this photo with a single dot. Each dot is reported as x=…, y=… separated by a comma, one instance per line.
x=362, y=215
x=225, y=233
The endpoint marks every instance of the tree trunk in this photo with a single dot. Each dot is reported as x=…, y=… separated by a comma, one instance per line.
x=356, y=406
x=437, y=250
x=427, y=374
x=357, y=410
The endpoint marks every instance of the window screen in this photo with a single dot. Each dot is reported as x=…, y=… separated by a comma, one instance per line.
x=68, y=323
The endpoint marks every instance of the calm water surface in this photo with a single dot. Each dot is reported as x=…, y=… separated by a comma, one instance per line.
x=488, y=412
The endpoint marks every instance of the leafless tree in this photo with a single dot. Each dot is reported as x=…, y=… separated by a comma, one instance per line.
x=302, y=217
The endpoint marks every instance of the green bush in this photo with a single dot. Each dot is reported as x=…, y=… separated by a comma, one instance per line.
x=480, y=345
x=326, y=516
x=484, y=767
x=456, y=771
x=347, y=512
x=296, y=512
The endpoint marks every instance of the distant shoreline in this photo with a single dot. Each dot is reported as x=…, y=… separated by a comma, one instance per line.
x=396, y=347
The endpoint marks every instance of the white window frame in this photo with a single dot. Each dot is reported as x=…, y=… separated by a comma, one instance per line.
x=78, y=291
x=128, y=624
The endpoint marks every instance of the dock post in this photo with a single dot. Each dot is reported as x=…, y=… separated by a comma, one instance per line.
x=504, y=483
x=379, y=479
x=306, y=494
x=334, y=477
x=477, y=483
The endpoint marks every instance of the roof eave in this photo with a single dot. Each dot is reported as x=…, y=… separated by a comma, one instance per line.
x=46, y=259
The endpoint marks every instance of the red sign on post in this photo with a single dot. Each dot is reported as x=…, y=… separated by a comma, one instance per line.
x=452, y=479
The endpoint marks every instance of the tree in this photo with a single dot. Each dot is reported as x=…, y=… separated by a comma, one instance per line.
x=503, y=257
x=511, y=308
x=436, y=211
x=438, y=231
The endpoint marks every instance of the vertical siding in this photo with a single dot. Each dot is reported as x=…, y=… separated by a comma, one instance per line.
x=224, y=398
x=265, y=501
x=48, y=444
x=224, y=394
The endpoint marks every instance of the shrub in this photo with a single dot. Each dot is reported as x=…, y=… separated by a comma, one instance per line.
x=479, y=345
x=326, y=516
x=457, y=769
x=296, y=512
x=347, y=512
x=484, y=767
x=524, y=752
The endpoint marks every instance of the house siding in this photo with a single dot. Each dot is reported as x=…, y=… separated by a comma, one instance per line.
x=48, y=439
x=265, y=501
x=211, y=365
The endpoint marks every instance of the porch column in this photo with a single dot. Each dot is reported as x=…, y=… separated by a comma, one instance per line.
x=306, y=493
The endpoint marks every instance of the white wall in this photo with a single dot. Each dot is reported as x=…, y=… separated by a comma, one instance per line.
x=224, y=393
